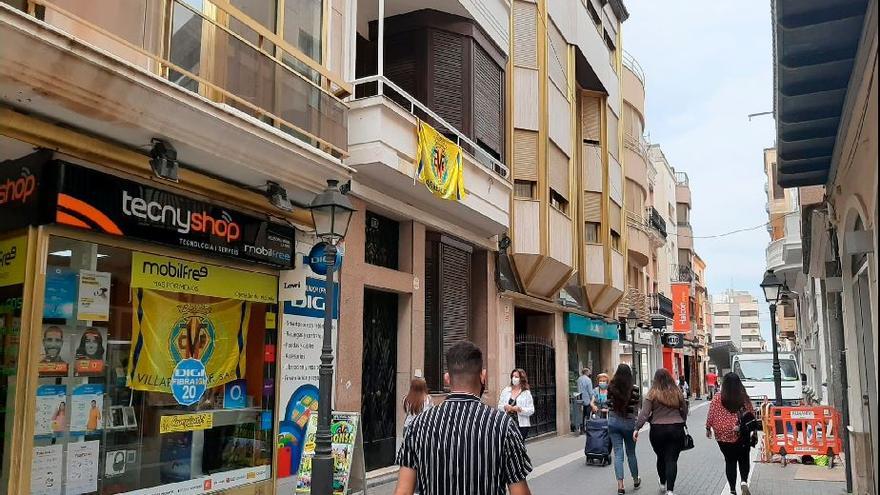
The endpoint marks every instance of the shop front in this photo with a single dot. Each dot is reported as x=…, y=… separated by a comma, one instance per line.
x=589, y=346
x=139, y=332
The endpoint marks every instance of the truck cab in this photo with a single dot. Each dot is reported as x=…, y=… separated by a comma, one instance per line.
x=756, y=372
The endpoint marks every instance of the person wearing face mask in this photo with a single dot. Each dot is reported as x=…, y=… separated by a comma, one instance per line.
x=599, y=405
x=516, y=400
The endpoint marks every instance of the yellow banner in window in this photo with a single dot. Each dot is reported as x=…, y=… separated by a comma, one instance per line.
x=186, y=422
x=439, y=164
x=175, y=275
x=12, y=260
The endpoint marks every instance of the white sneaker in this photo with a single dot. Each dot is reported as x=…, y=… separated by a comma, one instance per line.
x=669, y=492
x=744, y=488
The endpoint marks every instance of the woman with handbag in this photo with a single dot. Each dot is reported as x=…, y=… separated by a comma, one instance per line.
x=732, y=417
x=666, y=409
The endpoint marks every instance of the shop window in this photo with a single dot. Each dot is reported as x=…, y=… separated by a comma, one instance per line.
x=12, y=259
x=591, y=232
x=524, y=189
x=119, y=330
x=382, y=241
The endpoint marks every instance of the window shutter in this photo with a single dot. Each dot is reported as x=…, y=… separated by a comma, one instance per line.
x=557, y=58
x=447, y=88
x=400, y=62
x=488, y=102
x=454, y=293
x=591, y=118
x=614, y=217
x=525, y=155
x=433, y=371
x=593, y=207
x=592, y=160
x=558, y=164
x=525, y=30
x=613, y=146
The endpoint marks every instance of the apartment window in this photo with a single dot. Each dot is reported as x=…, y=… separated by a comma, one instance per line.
x=778, y=192
x=748, y=313
x=594, y=14
x=591, y=232
x=382, y=241
x=682, y=215
x=524, y=189
x=723, y=313
x=615, y=240
x=558, y=201
x=788, y=310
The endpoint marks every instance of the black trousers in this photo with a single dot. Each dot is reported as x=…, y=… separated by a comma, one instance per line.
x=524, y=431
x=667, y=441
x=736, y=453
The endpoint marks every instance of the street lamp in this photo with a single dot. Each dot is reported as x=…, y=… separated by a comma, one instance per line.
x=772, y=286
x=632, y=320
x=331, y=213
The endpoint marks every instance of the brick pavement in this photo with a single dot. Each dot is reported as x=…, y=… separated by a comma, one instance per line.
x=773, y=479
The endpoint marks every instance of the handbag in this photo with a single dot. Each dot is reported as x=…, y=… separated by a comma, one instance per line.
x=748, y=428
x=688, y=440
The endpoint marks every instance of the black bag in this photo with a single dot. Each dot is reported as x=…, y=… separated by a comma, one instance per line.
x=748, y=428
x=688, y=440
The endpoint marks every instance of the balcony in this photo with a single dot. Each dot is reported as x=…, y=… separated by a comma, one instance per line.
x=636, y=160
x=633, y=83
x=255, y=106
x=638, y=240
x=660, y=305
x=635, y=299
x=685, y=236
x=681, y=273
x=657, y=225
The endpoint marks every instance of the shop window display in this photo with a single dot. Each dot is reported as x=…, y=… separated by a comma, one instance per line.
x=154, y=372
x=12, y=263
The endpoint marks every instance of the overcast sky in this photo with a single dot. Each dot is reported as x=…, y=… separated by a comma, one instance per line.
x=708, y=65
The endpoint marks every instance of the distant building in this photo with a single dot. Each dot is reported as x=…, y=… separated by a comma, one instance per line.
x=735, y=319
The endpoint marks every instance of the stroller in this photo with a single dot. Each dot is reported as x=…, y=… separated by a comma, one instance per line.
x=597, y=448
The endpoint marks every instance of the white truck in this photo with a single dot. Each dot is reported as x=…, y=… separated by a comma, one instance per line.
x=756, y=372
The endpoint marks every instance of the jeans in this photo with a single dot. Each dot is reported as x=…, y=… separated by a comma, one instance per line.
x=667, y=441
x=735, y=453
x=621, y=432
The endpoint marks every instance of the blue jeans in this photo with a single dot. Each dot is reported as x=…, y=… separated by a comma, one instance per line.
x=621, y=431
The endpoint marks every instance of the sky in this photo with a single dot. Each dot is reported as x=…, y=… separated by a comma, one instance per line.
x=708, y=65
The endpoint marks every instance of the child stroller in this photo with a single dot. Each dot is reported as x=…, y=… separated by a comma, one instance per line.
x=597, y=448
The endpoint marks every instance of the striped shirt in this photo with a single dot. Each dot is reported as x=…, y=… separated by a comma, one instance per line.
x=464, y=447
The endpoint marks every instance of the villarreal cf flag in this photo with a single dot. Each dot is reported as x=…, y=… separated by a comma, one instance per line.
x=167, y=330
x=439, y=164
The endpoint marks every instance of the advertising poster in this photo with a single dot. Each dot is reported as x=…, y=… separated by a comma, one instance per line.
x=93, y=301
x=12, y=260
x=52, y=414
x=302, y=294
x=343, y=430
x=54, y=351
x=86, y=406
x=82, y=467
x=60, y=293
x=235, y=395
x=89, y=351
x=46, y=466
x=681, y=308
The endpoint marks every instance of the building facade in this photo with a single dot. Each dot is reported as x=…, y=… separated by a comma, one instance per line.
x=735, y=319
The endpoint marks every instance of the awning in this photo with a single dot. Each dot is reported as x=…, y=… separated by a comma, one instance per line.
x=815, y=50
x=581, y=325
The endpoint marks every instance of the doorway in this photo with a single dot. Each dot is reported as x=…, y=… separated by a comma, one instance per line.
x=865, y=340
x=379, y=390
x=536, y=355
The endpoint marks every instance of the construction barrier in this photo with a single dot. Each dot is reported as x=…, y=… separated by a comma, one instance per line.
x=801, y=430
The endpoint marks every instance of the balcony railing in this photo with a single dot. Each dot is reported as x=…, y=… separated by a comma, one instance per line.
x=660, y=305
x=681, y=179
x=632, y=64
x=637, y=143
x=636, y=300
x=223, y=55
x=380, y=85
x=656, y=221
x=681, y=273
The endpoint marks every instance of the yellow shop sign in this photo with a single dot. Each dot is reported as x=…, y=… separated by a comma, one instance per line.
x=12, y=260
x=175, y=275
x=176, y=423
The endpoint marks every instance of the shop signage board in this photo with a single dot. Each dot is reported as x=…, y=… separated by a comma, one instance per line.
x=175, y=423
x=672, y=340
x=92, y=200
x=23, y=184
x=302, y=296
x=347, y=445
x=13, y=255
x=681, y=308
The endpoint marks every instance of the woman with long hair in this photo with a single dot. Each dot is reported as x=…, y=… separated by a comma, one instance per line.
x=666, y=409
x=726, y=413
x=417, y=401
x=623, y=400
x=516, y=400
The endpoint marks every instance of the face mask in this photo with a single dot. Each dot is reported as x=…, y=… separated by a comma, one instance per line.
x=603, y=386
x=514, y=381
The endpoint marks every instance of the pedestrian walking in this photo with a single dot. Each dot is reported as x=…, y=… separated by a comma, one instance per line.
x=416, y=401
x=463, y=446
x=516, y=400
x=623, y=401
x=711, y=383
x=666, y=409
x=684, y=387
x=585, y=389
x=599, y=405
x=730, y=416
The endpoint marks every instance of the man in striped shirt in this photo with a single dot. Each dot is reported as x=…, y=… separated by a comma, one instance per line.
x=462, y=446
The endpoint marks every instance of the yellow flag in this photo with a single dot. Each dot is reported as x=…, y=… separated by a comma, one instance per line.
x=439, y=164
x=166, y=331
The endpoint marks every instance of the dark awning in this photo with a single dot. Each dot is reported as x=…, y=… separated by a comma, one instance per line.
x=815, y=44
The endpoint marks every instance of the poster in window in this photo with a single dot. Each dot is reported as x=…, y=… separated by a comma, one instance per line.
x=46, y=466
x=51, y=415
x=60, y=295
x=114, y=463
x=93, y=300
x=86, y=409
x=54, y=351
x=167, y=331
x=89, y=352
x=82, y=467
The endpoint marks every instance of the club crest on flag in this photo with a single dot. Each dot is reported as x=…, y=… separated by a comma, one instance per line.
x=439, y=164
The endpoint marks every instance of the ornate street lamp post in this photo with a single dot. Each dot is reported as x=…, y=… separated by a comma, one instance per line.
x=771, y=286
x=331, y=213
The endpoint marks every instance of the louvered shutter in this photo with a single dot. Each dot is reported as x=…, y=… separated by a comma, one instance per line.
x=433, y=370
x=557, y=58
x=593, y=207
x=525, y=29
x=614, y=217
x=525, y=155
x=613, y=146
x=400, y=62
x=591, y=118
x=488, y=102
x=592, y=160
x=558, y=162
x=447, y=87
x=454, y=292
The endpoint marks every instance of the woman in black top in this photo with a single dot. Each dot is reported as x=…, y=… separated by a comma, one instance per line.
x=623, y=402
